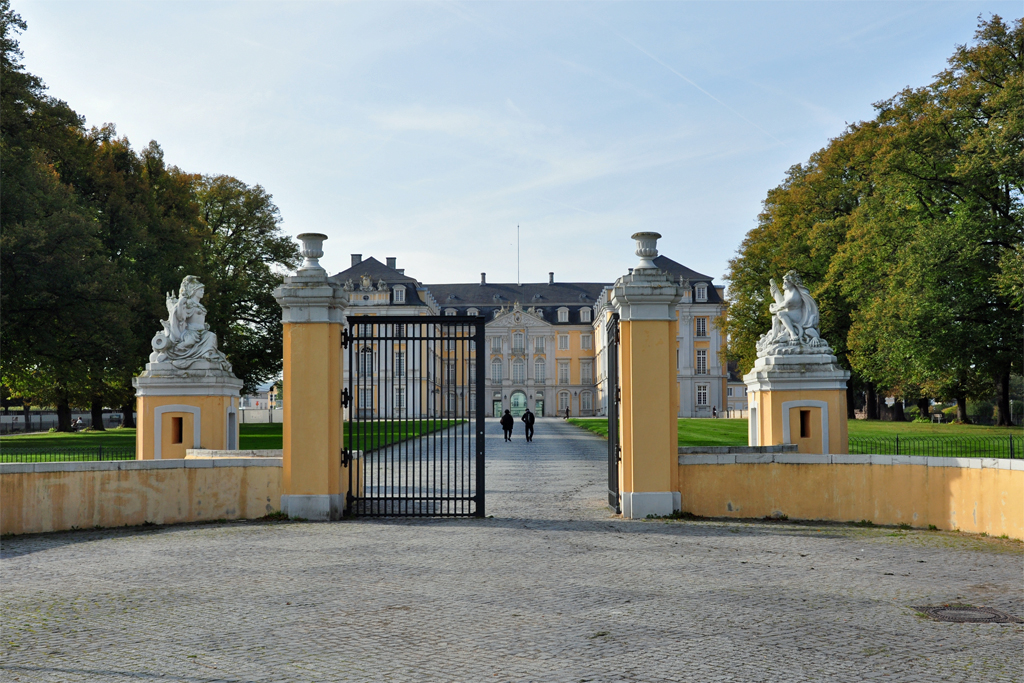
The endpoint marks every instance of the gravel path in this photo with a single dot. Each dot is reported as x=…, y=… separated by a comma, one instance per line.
x=552, y=588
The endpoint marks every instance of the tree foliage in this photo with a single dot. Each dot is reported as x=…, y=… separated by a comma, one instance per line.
x=908, y=230
x=93, y=234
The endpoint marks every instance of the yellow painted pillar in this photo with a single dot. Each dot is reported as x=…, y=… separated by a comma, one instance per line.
x=646, y=303
x=313, y=314
x=797, y=389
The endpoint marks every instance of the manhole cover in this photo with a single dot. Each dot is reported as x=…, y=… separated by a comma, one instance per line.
x=969, y=614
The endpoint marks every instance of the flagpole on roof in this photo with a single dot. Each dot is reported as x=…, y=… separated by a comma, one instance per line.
x=519, y=280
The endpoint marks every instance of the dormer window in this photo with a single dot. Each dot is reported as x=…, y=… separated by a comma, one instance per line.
x=700, y=292
x=585, y=315
x=472, y=311
x=563, y=315
x=450, y=311
x=399, y=294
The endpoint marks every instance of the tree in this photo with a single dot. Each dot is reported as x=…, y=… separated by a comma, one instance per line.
x=241, y=255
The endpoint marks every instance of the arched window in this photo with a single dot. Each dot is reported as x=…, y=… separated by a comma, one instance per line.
x=496, y=370
x=366, y=361
x=472, y=311
x=518, y=371
x=539, y=370
x=586, y=402
x=563, y=401
x=585, y=315
x=563, y=315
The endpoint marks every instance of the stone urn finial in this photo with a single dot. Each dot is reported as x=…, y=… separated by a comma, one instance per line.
x=646, y=248
x=312, y=250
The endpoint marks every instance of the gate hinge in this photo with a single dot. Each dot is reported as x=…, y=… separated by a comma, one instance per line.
x=346, y=398
x=618, y=453
x=346, y=338
x=618, y=394
x=346, y=457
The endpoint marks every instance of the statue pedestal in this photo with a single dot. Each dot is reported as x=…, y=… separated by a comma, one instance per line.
x=797, y=395
x=179, y=410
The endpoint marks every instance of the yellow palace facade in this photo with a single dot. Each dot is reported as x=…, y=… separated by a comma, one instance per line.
x=545, y=343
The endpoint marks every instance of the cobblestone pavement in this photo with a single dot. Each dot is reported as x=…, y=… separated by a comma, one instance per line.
x=552, y=589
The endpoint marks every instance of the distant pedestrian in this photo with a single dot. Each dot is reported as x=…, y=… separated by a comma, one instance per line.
x=567, y=412
x=714, y=411
x=528, y=419
x=507, y=422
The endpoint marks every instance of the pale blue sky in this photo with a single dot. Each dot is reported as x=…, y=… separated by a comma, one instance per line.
x=427, y=131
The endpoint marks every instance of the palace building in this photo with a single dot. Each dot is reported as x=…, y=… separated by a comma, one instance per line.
x=545, y=342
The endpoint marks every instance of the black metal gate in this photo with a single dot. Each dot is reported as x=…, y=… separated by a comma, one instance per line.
x=414, y=402
x=614, y=398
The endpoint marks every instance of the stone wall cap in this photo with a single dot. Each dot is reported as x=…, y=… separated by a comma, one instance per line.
x=194, y=453
x=736, y=450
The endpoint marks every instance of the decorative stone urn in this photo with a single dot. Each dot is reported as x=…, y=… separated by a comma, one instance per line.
x=646, y=248
x=312, y=250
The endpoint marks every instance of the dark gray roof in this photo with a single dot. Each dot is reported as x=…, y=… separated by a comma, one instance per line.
x=678, y=270
x=378, y=271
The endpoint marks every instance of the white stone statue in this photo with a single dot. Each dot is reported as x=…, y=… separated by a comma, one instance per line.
x=186, y=338
x=381, y=285
x=365, y=283
x=349, y=286
x=795, y=320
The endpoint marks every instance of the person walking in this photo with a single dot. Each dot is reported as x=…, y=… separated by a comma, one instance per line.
x=567, y=412
x=507, y=422
x=528, y=419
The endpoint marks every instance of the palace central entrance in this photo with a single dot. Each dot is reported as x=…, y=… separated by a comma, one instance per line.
x=518, y=402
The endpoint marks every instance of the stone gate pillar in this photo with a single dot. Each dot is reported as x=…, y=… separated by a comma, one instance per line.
x=646, y=303
x=313, y=314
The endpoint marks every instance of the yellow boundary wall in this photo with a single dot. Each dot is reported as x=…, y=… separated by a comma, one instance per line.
x=58, y=496
x=979, y=495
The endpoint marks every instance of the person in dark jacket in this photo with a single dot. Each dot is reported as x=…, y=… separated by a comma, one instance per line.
x=528, y=419
x=507, y=422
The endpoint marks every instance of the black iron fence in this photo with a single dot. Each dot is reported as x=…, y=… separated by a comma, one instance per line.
x=8, y=455
x=940, y=446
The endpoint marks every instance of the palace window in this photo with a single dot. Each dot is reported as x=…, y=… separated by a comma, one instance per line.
x=585, y=315
x=366, y=361
x=563, y=342
x=563, y=315
x=496, y=344
x=701, y=292
x=450, y=311
x=538, y=344
x=366, y=398
x=496, y=370
x=702, y=327
x=586, y=372
x=399, y=295
x=452, y=403
x=539, y=370
x=702, y=394
x=518, y=371
x=563, y=401
x=586, y=341
x=586, y=401
x=702, y=362
x=449, y=372
x=518, y=342
x=472, y=311
x=728, y=392
x=399, y=363
x=563, y=372
x=400, y=399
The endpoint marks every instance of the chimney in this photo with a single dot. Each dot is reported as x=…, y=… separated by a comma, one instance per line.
x=356, y=259
x=392, y=262
x=551, y=278
x=483, y=279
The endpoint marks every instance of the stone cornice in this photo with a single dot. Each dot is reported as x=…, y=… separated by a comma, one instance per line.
x=646, y=294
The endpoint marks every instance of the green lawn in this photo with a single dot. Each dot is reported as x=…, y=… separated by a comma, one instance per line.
x=251, y=437
x=704, y=432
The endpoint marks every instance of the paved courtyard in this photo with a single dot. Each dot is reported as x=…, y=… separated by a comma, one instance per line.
x=553, y=588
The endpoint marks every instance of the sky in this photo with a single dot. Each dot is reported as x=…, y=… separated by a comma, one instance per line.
x=428, y=131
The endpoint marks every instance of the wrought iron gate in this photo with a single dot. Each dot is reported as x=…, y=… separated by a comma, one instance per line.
x=414, y=404
x=614, y=398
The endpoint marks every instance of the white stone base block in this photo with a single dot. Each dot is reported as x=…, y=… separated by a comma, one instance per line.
x=321, y=508
x=637, y=505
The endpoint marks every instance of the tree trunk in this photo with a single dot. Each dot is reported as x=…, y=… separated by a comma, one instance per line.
x=128, y=411
x=849, y=403
x=1003, y=416
x=961, y=409
x=26, y=410
x=871, y=403
x=96, y=409
x=63, y=416
x=925, y=406
x=897, y=411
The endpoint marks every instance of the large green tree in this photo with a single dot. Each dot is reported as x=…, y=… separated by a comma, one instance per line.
x=908, y=230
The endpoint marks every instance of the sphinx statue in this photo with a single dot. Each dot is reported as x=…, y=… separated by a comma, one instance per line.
x=186, y=338
x=795, y=320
